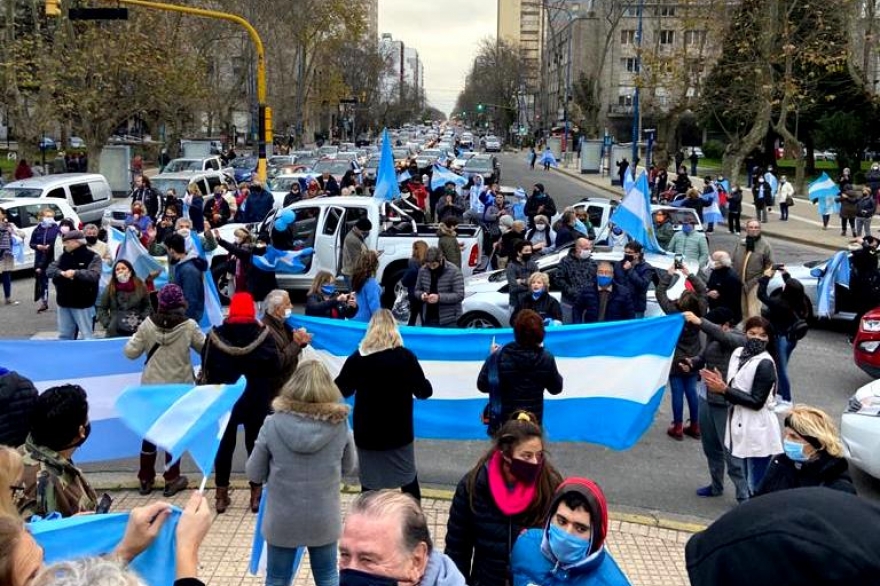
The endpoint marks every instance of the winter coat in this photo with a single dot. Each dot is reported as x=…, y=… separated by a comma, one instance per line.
x=81, y=291
x=573, y=275
x=256, y=207
x=518, y=274
x=18, y=397
x=734, y=201
x=52, y=484
x=319, y=306
x=783, y=473
x=120, y=312
x=534, y=202
x=693, y=246
x=448, y=244
x=288, y=350
x=689, y=343
x=638, y=280
x=762, y=194
x=546, y=306
x=750, y=265
x=530, y=564
x=352, y=248
x=149, y=197
x=383, y=384
x=246, y=349
x=849, y=203
x=216, y=205
x=619, y=306
x=301, y=454
x=259, y=283
x=729, y=288
x=665, y=232
x=169, y=338
x=197, y=212
x=450, y=289
x=776, y=309
x=189, y=274
x=752, y=426
x=44, y=236
x=523, y=374
x=866, y=207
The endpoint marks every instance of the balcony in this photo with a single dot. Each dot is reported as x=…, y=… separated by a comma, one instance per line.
x=620, y=110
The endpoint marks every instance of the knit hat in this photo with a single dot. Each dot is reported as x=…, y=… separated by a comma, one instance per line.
x=171, y=297
x=241, y=308
x=74, y=235
x=364, y=225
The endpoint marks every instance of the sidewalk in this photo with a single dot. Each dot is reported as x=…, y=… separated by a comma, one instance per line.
x=649, y=555
x=804, y=224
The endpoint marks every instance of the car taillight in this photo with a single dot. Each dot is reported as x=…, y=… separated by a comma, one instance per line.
x=474, y=257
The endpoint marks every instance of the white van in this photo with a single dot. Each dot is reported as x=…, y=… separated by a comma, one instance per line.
x=88, y=194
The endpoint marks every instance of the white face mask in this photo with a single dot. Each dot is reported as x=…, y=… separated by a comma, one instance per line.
x=585, y=254
x=123, y=276
x=64, y=229
x=541, y=227
x=288, y=312
x=185, y=232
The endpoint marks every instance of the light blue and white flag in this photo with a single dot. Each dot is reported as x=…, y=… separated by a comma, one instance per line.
x=442, y=175
x=772, y=181
x=387, y=187
x=628, y=180
x=548, y=159
x=824, y=191
x=181, y=418
x=725, y=184
x=404, y=176
x=611, y=391
x=633, y=215
x=17, y=249
x=97, y=535
x=836, y=273
x=282, y=261
x=134, y=252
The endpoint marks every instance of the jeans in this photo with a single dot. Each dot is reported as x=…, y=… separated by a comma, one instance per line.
x=322, y=558
x=713, y=425
x=844, y=222
x=761, y=212
x=784, y=347
x=756, y=468
x=683, y=386
x=6, y=278
x=783, y=212
x=70, y=320
x=43, y=281
x=567, y=313
x=863, y=226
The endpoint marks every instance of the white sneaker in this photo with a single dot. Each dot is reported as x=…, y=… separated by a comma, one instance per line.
x=782, y=406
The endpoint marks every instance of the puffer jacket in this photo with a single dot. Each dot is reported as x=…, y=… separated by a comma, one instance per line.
x=826, y=470
x=573, y=275
x=168, y=337
x=18, y=396
x=448, y=243
x=524, y=374
x=450, y=288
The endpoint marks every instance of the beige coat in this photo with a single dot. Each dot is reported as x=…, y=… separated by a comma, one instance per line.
x=172, y=336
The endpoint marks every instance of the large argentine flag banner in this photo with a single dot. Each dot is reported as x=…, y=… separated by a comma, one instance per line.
x=614, y=375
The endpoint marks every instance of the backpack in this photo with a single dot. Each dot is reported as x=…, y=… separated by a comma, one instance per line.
x=798, y=330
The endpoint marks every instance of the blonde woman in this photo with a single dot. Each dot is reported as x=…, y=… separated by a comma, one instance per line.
x=11, y=469
x=383, y=405
x=813, y=454
x=303, y=450
x=324, y=300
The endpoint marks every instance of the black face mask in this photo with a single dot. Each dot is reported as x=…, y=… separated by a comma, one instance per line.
x=526, y=257
x=525, y=472
x=91, y=240
x=750, y=242
x=629, y=257
x=349, y=577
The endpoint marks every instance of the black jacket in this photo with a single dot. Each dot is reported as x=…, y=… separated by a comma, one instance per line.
x=829, y=471
x=18, y=397
x=735, y=201
x=546, y=306
x=777, y=310
x=618, y=308
x=524, y=374
x=384, y=384
x=233, y=350
x=729, y=287
x=573, y=274
x=256, y=207
x=479, y=538
x=318, y=306
x=81, y=291
x=638, y=278
x=533, y=203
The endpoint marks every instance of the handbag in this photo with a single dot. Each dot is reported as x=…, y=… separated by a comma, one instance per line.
x=202, y=379
x=789, y=200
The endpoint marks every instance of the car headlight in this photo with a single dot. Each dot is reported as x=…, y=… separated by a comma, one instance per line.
x=869, y=347
x=870, y=325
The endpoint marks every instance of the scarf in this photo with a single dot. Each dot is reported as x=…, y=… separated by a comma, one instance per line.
x=510, y=501
x=124, y=287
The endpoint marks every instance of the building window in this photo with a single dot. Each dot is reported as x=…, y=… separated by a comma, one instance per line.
x=666, y=11
x=627, y=37
x=629, y=64
x=667, y=37
x=694, y=38
x=626, y=100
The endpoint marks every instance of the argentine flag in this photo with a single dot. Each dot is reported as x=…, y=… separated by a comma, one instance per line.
x=387, y=187
x=548, y=159
x=282, y=261
x=134, y=252
x=824, y=191
x=404, y=176
x=181, y=418
x=633, y=215
x=610, y=393
x=836, y=273
x=628, y=181
x=442, y=175
x=772, y=181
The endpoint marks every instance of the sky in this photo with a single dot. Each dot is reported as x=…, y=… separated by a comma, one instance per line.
x=446, y=34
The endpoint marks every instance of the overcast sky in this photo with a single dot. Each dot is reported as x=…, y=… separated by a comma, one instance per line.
x=446, y=34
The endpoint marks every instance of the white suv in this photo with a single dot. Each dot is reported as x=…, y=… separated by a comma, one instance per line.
x=26, y=212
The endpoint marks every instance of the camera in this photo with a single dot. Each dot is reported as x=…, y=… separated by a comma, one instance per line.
x=679, y=261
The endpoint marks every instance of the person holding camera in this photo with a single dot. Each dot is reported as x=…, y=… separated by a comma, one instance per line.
x=324, y=300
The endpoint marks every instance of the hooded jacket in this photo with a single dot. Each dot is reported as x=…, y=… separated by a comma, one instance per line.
x=805, y=536
x=188, y=273
x=826, y=470
x=18, y=397
x=533, y=562
x=233, y=350
x=302, y=452
x=441, y=571
x=172, y=335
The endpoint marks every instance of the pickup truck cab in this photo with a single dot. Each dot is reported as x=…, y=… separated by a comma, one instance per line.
x=324, y=222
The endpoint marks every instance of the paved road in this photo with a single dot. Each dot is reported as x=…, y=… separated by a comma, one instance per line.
x=658, y=474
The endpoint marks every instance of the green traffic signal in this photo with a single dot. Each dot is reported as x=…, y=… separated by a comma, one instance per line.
x=479, y=107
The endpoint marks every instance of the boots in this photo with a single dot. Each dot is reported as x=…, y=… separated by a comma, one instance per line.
x=146, y=472
x=692, y=430
x=256, y=495
x=221, y=499
x=675, y=431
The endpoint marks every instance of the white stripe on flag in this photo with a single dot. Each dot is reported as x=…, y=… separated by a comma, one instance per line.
x=102, y=391
x=178, y=420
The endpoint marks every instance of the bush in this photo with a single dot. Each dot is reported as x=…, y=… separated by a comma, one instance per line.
x=713, y=149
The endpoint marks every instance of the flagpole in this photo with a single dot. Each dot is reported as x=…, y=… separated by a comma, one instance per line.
x=202, y=485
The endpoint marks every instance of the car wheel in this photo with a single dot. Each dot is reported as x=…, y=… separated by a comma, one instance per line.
x=391, y=287
x=478, y=320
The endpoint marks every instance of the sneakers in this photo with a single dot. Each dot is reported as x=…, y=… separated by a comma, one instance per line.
x=676, y=432
x=175, y=486
x=707, y=492
x=146, y=487
x=782, y=406
x=12, y=302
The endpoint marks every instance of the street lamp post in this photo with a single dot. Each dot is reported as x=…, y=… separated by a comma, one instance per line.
x=636, y=123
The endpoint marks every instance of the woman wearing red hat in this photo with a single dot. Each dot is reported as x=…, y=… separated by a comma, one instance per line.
x=570, y=549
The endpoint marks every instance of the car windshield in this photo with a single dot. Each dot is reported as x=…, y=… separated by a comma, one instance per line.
x=283, y=183
x=478, y=164
x=280, y=160
x=400, y=153
x=178, y=165
x=244, y=163
x=10, y=192
x=333, y=167
x=430, y=153
x=163, y=185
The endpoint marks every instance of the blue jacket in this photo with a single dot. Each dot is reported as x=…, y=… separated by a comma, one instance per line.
x=530, y=565
x=189, y=275
x=368, y=300
x=256, y=207
x=44, y=235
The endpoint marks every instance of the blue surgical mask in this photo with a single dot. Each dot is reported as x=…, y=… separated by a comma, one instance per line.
x=328, y=289
x=537, y=294
x=687, y=228
x=567, y=548
x=604, y=280
x=617, y=230
x=795, y=451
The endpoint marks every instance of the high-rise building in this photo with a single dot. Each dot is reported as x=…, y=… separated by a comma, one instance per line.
x=392, y=78
x=520, y=22
x=371, y=14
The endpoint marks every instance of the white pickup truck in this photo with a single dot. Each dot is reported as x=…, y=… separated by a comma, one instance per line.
x=324, y=222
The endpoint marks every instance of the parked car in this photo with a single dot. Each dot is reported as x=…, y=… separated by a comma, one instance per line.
x=47, y=144
x=244, y=168
x=280, y=185
x=866, y=345
x=26, y=213
x=76, y=142
x=825, y=155
x=461, y=160
x=89, y=194
x=860, y=429
x=336, y=167
x=485, y=165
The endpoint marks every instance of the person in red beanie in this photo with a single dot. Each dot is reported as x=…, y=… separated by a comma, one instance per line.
x=570, y=549
x=240, y=346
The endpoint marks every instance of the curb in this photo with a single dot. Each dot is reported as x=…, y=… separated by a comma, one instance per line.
x=646, y=519
x=770, y=232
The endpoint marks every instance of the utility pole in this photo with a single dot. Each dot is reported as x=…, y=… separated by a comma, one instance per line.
x=637, y=122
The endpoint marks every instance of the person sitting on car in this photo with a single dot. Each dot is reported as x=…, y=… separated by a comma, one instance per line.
x=603, y=300
x=539, y=300
x=328, y=184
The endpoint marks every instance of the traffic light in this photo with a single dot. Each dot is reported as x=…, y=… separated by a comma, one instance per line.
x=53, y=8
x=480, y=107
x=464, y=114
